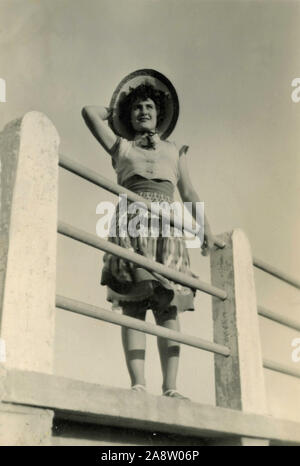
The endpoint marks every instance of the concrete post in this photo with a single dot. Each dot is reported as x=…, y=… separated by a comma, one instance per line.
x=239, y=378
x=28, y=232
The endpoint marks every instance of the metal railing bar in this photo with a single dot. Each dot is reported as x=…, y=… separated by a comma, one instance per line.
x=99, y=180
x=276, y=272
x=138, y=259
x=130, y=322
x=289, y=322
x=279, y=367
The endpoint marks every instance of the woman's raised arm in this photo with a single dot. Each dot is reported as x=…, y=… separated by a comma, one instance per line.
x=94, y=117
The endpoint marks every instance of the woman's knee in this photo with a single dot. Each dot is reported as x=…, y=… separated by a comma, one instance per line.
x=169, y=314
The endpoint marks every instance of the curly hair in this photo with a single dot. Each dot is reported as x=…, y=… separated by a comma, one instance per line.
x=142, y=92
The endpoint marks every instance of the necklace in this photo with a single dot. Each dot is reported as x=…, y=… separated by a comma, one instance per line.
x=147, y=140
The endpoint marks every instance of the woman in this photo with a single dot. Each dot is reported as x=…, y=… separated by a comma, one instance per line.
x=143, y=112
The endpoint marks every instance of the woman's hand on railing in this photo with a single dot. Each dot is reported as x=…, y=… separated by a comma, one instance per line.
x=208, y=241
x=207, y=245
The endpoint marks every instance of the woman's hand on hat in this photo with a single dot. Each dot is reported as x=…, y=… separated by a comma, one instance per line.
x=109, y=111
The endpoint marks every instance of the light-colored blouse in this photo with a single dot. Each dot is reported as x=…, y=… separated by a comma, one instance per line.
x=161, y=162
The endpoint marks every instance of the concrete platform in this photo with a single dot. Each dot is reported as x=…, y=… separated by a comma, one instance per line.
x=75, y=403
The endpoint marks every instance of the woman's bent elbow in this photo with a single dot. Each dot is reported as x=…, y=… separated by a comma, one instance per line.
x=86, y=113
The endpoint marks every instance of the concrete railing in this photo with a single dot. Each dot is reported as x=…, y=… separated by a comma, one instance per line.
x=29, y=196
x=31, y=395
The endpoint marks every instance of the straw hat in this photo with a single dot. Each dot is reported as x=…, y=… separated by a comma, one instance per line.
x=159, y=82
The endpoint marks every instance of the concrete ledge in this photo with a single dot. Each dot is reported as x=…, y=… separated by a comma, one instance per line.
x=85, y=402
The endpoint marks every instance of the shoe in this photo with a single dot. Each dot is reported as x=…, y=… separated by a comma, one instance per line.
x=138, y=388
x=175, y=394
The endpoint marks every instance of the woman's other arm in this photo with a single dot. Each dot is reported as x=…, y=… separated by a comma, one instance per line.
x=95, y=118
x=189, y=194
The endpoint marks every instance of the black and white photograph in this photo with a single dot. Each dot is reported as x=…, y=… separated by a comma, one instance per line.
x=149, y=228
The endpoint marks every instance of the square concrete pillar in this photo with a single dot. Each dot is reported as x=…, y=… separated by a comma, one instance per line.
x=28, y=234
x=239, y=378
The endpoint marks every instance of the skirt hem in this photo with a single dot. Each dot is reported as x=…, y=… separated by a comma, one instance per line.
x=149, y=291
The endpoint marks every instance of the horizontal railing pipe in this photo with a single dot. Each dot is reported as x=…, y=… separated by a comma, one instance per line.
x=276, y=272
x=114, y=188
x=282, y=368
x=138, y=259
x=125, y=321
x=275, y=317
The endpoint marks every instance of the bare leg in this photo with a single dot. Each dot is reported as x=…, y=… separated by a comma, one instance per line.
x=168, y=350
x=134, y=345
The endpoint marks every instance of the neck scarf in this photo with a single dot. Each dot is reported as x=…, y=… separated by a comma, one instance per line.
x=147, y=140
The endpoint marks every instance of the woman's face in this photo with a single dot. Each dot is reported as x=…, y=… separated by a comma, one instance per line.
x=143, y=115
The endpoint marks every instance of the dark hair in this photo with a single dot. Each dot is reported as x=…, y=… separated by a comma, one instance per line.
x=142, y=92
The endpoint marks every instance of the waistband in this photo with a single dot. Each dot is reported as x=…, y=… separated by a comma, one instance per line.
x=138, y=183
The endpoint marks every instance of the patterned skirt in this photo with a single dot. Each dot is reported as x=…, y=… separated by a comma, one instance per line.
x=130, y=285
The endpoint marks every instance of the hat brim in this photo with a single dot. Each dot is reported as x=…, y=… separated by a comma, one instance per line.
x=158, y=81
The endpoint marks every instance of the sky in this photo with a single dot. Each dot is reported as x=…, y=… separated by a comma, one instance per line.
x=232, y=64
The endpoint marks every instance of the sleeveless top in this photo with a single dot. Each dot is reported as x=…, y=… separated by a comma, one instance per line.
x=138, y=168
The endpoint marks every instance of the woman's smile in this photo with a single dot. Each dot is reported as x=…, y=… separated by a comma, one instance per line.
x=144, y=115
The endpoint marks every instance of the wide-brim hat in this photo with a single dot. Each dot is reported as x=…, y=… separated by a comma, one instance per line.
x=159, y=82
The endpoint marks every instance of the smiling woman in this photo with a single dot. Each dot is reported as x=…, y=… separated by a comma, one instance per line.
x=155, y=103
x=143, y=112
x=143, y=115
